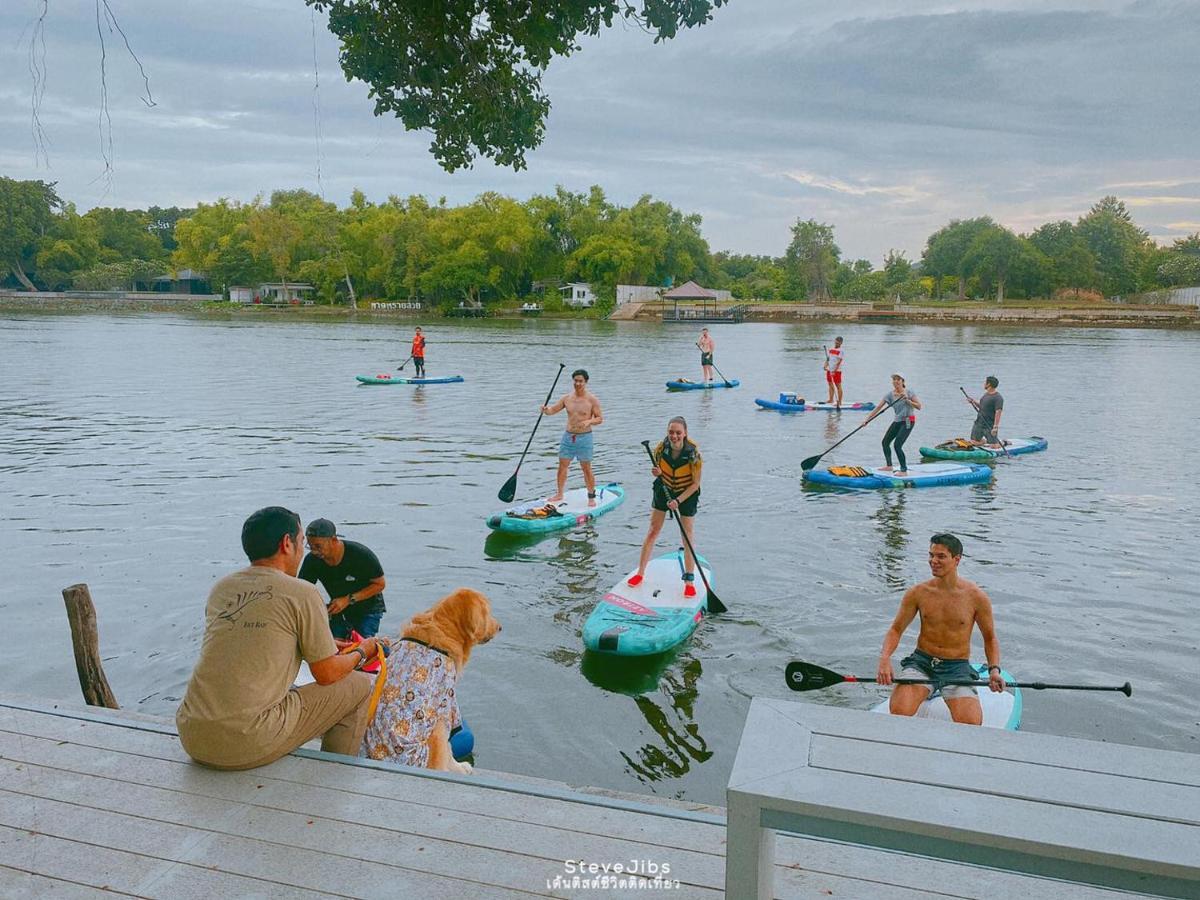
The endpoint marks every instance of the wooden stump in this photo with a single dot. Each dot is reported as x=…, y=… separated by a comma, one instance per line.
x=86, y=641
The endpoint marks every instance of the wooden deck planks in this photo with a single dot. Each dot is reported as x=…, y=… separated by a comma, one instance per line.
x=155, y=825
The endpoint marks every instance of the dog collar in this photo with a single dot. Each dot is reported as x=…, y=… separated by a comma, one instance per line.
x=430, y=646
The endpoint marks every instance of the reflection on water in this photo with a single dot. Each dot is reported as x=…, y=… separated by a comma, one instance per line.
x=833, y=429
x=889, y=521
x=674, y=722
x=664, y=690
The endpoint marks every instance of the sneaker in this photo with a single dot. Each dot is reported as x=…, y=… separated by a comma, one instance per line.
x=634, y=580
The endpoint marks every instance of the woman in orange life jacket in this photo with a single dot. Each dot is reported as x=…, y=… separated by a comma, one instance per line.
x=677, y=466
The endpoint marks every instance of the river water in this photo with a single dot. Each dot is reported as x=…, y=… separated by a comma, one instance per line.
x=133, y=446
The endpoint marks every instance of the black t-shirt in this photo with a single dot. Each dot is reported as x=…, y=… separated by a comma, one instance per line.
x=358, y=568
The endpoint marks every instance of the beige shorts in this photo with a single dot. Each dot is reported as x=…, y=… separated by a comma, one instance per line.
x=949, y=691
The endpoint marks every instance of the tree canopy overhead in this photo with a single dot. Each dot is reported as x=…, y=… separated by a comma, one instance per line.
x=470, y=71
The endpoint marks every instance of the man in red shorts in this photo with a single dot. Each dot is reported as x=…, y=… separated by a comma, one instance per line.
x=834, y=357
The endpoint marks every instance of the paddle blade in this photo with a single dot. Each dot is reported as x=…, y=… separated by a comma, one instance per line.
x=802, y=676
x=1127, y=689
x=808, y=464
x=714, y=604
x=509, y=490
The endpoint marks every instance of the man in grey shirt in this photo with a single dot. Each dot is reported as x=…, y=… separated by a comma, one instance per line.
x=987, y=420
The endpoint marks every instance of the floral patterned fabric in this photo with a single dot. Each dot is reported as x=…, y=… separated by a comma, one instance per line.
x=418, y=693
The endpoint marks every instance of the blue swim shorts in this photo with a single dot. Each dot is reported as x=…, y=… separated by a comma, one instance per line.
x=576, y=446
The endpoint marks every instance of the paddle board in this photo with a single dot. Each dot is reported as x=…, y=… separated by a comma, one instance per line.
x=999, y=710
x=1015, y=447
x=701, y=385
x=932, y=474
x=572, y=510
x=385, y=378
x=788, y=403
x=652, y=617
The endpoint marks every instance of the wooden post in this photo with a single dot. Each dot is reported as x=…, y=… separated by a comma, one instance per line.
x=86, y=641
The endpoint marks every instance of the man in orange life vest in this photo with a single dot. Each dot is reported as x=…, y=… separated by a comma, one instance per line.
x=418, y=352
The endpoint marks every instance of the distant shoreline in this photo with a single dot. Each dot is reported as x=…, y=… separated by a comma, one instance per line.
x=1100, y=315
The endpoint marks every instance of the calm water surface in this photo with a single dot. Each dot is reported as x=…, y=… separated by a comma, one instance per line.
x=132, y=447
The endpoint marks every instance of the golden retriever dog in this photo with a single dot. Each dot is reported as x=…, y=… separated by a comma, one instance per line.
x=417, y=706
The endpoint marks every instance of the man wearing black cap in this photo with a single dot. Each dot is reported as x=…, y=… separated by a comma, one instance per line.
x=351, y=575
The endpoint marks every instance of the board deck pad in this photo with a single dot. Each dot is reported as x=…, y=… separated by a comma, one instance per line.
x=652, y=617
x=573, y=509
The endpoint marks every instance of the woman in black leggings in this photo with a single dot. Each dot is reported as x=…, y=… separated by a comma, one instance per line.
x=903, y=403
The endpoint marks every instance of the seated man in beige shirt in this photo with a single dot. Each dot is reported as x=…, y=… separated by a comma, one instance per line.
x=240, y=709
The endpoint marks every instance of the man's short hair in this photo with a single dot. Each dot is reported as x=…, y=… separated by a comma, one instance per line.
x=838, y=338
x=262, y=532
x=992, y=381
x=582, y=372
x=949, y=541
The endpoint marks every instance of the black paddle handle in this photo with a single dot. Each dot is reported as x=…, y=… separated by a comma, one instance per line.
x=541, y=412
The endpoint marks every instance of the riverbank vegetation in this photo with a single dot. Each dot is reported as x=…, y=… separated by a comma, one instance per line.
x=496, y=249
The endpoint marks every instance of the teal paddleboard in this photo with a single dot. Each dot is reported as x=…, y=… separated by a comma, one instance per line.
x=650, y=618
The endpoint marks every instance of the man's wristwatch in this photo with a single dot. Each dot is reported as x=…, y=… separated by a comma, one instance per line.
x=350, y=598
x=362, y=656
x=997, y=668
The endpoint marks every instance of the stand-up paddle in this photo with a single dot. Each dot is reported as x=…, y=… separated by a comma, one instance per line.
x=807, y=464
x=712, y=602
x=714, y=365
x=975, y=403
x=509, y=490
x=400, y=368
x=805, y=676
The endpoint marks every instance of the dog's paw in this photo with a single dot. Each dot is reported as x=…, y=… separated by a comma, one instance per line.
x=464, y=768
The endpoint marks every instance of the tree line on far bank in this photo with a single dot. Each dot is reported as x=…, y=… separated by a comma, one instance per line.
x=496, y=248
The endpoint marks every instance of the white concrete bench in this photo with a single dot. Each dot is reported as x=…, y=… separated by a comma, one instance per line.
x=1080, y=811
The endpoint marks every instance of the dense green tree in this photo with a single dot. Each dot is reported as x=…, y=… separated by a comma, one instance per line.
x=27, y=211
x=1070, y=263
x=470, y=71
x=216, y=240
x=996, y=255
x=1122, y=250
x=71, y=245
x=1182, y=269
x=125, y=234
x=897, y=268
x=161, y=223
x=946, y=250
x=812, y=259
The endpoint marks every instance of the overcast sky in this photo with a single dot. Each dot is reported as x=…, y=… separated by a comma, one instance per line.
x=884, y=119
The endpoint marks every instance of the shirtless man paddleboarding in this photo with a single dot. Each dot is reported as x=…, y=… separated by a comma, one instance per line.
x=583, y=411
x=949, y=607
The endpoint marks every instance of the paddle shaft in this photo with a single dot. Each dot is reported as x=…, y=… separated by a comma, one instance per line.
x=400, y=368
x=714, y=604
x=812, y=460
x=1031, y=685
x=541, y=413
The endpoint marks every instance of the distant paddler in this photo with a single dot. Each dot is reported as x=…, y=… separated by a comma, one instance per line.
x=950, y=607
x=903, y=404
x=707, y=345
x=583, y=413
x=834, y=358
x=677, y=468
x=988, y=408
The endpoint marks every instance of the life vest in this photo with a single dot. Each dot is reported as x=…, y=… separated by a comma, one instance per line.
x=849, y=471
x=418, y=347
x=679, y=473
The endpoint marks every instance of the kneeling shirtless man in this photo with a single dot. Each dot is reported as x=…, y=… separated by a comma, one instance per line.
x=949, y=607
